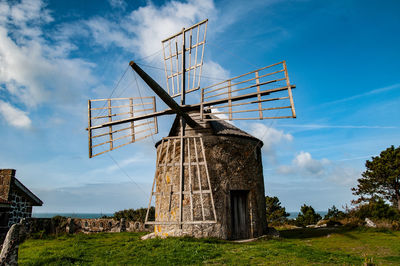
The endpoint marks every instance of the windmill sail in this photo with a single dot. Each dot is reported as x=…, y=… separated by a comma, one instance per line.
x=105, y=135
x=265, y=93
x=185, y=48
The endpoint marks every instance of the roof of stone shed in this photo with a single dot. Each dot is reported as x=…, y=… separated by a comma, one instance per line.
x=8, y=179
x=35, y=200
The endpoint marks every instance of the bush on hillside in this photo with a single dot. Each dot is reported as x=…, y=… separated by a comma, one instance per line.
x=334, y=214
x=276, y=214
x=135, y=215
x=377, y=208
x=307, y=216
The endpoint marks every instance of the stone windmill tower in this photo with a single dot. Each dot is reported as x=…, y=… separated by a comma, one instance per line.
x=209, y=178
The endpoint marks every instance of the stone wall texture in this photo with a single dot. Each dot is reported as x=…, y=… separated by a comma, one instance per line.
x=75, y=225
x=234, y=163
x=21, y=207
x=60, y=224
x=20, y=203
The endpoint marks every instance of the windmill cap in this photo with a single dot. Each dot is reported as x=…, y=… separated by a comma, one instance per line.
x=217, y=128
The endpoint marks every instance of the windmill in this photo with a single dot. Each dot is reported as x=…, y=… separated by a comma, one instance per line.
x=225, y=200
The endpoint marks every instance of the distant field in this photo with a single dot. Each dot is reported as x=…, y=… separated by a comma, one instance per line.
x=299, y=246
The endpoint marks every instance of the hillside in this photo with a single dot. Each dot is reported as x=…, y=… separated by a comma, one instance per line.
x=299, y=247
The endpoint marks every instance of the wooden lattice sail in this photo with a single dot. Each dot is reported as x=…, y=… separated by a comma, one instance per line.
x=105, y=135
x=186, y=48
x=244, y=97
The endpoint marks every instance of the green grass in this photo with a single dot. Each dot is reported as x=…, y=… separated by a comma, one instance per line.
x=299, y=246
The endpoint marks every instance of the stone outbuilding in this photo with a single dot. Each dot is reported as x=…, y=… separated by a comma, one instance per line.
x=16, y=201
x=224, y=198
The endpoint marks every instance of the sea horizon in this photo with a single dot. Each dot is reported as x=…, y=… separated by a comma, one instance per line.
x=82, y=215
x=88, y=215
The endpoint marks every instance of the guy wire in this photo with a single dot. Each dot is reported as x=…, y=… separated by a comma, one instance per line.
x=126, y=174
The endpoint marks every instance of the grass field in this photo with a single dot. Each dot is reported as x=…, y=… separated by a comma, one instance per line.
x=299, y=246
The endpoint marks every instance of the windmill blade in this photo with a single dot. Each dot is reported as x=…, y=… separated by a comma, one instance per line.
x=164, y=96
x=185, y=48
x=265, y=93
x=108, y=128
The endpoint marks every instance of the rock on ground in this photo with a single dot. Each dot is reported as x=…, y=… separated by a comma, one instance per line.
x=370, y=223
x=9, y=251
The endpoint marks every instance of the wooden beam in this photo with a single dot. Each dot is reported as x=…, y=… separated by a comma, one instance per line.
x=163, y=95
x=179, y=33
x=289, y=90
x=141, y=117
x=89, y=127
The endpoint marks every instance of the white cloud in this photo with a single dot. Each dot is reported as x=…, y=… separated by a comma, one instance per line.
x=29, y=10
x=14, y=116
x=34, y=69
x=106, y=33
x=336, y=172
x=271, y=137
x=225, y=117
x=152, y=24
x=143, y=29
x=303, y=163
x=214, y=72
x=117, y=4
x=25, y=16
x=344, y=175
x=285, y=169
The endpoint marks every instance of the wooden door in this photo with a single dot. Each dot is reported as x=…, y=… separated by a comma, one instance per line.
x=240, y=214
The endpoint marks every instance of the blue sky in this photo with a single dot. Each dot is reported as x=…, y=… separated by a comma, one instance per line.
x=54, y=55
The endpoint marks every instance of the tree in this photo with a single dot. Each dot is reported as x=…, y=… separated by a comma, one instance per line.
x=275, y=212
x=135, y=215
x=307, y=216
x=334, y=213
x=376, y=208
x=381, y=179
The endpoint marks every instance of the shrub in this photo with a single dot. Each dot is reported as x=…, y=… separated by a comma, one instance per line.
x=59, y=223
x=388, y=224
x=334, y=214
x=276, y=214
x=352, y=222
x=307, y=216
x=375, y=209
x=38, y=235
x=135, y=215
